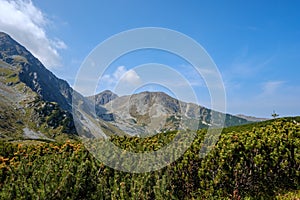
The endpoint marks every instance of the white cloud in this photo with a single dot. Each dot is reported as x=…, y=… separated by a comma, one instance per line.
x=57, y=43
x=121, y=76
x=131, y=77
x=121, y=70
x=26, y=23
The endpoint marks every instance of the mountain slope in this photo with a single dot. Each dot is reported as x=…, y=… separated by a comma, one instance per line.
x=251, y=118
x=34, y=97
x=150, y=112
x=103, y=97
x=32, y=72
x=24, y=115
x=34, y=102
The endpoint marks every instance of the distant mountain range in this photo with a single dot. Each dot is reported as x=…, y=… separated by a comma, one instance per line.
x=34, y=99
x=152, y=112
x=251, y=118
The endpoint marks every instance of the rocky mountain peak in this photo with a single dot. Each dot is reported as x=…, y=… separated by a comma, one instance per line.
x=145, y=112
x=103, y=97
x=34, y=74
x=10, y=48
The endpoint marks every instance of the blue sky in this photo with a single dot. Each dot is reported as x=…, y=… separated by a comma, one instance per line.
x=255, y=44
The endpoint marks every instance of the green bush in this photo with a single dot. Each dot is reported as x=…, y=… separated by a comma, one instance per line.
x=251, y=164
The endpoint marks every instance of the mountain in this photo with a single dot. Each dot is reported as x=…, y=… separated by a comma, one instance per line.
x=251, y=118
x=36, y=104
x=151, y=112
x=32, y=72
x=103, y=97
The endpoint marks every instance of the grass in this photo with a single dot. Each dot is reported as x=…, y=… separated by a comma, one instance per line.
x=8, y=76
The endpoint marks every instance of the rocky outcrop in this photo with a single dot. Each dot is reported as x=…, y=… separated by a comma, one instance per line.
x=32, y=72
x=103, y=97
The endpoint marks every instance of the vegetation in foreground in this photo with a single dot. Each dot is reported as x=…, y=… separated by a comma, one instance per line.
x=258, y=162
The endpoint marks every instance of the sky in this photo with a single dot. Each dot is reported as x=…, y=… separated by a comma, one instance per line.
x=254, y=44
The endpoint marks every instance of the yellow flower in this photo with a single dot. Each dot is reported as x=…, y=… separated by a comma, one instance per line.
x=56, y=148
x=2, y=165
x=2, y=159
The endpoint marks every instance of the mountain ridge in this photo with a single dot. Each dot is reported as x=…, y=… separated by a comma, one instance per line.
x=34, y=74
x=252, y=118
x=138, y=112
x=50, y=102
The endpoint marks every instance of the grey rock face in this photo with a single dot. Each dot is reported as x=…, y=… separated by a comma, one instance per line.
x=34, y=74
x=103, y=97
x=150, y=112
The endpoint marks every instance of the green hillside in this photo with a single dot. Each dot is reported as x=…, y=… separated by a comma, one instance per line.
x=250, y=126
x=257, y=161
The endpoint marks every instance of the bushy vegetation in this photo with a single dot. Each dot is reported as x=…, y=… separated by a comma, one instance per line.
x=51, y=117
x=254, y=163
x=258, y=163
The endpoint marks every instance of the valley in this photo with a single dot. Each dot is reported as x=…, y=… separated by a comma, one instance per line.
x=44, y=124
